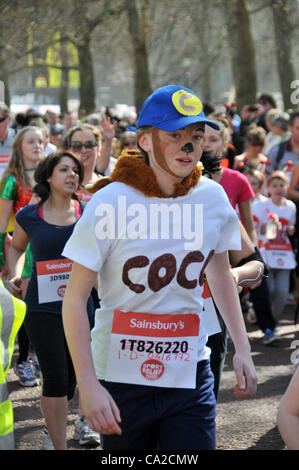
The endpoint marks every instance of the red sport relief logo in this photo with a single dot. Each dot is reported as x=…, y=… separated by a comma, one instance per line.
x=61, y=290
x=152, y=369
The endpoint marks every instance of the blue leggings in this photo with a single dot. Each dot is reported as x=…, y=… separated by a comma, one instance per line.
x=154, y=418
x=279, y=283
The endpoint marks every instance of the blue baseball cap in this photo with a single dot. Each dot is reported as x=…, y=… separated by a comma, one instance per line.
x=172, y=107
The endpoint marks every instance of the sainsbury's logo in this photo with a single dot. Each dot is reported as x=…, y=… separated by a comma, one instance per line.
x=157, y=325
x=59, y=266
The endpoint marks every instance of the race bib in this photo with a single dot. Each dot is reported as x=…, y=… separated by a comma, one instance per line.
x=52, y=279
x=279, y=255
x=156, y=350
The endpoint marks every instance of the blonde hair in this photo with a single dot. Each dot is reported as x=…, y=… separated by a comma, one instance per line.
x=16, y=160
x=272, y=113
x=258, y=175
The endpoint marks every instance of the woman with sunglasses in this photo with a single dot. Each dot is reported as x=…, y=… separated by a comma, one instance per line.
x=93, y=150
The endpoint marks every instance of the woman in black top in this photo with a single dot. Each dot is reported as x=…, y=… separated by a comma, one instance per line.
x=47, y=226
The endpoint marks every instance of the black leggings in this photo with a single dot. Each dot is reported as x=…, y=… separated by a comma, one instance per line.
x=23, y=342
x=260, y=297
x=46, y=333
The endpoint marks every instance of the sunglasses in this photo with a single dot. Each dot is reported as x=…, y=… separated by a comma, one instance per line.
x=78, y=146
x=3, y=118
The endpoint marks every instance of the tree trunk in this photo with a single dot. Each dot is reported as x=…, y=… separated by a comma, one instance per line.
x=138, y=32
x=87, y=87
x=283, y=49
x=64, y=86
x=142, y=87
x=4, y=86
x=203, y=33
x=242, y=51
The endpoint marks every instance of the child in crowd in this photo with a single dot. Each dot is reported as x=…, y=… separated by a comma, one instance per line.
x=177, y=400
x=260, y=295
x=277, y=251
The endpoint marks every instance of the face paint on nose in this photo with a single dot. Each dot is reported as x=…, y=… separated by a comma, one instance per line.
x=188, y=148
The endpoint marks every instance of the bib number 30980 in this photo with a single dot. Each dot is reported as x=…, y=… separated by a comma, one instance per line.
x=52, y=279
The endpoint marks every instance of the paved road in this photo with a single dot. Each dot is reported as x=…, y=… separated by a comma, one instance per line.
x=241, y=424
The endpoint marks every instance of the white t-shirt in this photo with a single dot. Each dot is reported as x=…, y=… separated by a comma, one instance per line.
x=278, y=253
x=155, y=272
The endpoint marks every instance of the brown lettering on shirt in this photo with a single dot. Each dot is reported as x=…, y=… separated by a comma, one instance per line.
x=167, y=261
x=136, y=262
x=193, y=257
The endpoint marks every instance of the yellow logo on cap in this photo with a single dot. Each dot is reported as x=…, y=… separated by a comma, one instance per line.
x=186, y=103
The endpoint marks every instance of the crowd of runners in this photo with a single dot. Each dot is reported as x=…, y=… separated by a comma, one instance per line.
x=138, y=244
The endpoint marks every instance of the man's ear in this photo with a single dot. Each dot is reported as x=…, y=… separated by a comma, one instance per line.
x=145, y=141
